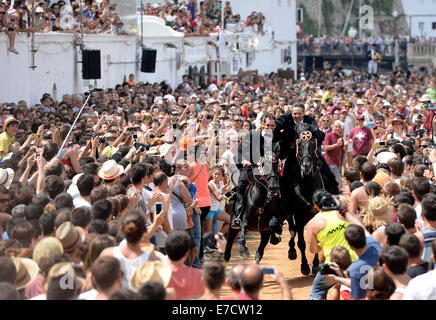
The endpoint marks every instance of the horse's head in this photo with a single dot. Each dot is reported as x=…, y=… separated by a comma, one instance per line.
x=270, y=162
x=307, y=146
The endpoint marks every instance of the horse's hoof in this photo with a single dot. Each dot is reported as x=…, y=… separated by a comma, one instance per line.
x=292, y=255
x=315, y=270
x=305, y=269
x=258, y=257
x=245, y=254
x=275, y=240
x=227, y=256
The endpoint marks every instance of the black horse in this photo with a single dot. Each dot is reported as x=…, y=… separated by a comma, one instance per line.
x=262, y=199
x=307, y=180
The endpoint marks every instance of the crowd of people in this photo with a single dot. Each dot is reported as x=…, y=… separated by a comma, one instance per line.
x=62, y=16
x=347, y=45
x=129, y=202
x=202, y=18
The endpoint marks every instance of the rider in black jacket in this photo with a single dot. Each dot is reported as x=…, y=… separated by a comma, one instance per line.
x=285, y=133
x=250, y=151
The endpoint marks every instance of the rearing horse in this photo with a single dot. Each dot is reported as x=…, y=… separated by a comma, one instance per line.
x=307, y=180
x=261, y=200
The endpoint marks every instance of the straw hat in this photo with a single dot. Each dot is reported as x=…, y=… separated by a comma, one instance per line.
x=6, y=177
x=70, y=236
x=378, y=206
x=150, y=271
x=425, y=98
x=63, y=269
x=47, y=248
x=27, y=271
x=9, y=120
x=398, y=119
x=110, y=170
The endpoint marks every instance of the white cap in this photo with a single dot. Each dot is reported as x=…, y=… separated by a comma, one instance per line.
x=39, y=10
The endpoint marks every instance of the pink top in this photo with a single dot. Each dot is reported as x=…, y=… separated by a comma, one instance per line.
x=34, y=288
x=187, y=282
x=201, y=183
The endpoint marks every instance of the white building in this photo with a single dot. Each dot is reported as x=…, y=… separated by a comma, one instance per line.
x=56, y=66
x=421, y=16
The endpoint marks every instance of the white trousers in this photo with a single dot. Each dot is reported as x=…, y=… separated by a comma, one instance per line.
x=372, y=67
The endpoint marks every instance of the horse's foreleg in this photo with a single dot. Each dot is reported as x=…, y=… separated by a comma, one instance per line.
x=300, y=196
x=231, y=235
x=292, y=253
x=243, y=250
x=305, y=269
x=264, y=237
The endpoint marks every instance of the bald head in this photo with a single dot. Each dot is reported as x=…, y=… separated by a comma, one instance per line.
x=235, y=276
x=251, y=279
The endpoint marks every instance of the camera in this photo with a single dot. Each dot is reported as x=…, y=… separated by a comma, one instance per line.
x=102, y=139
x=432, y=106
x=141, y=146
x=325, y=269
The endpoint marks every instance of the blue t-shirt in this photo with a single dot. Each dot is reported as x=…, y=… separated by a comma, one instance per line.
x=361, y=266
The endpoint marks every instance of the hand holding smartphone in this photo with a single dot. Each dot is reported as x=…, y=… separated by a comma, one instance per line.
x=268, y=270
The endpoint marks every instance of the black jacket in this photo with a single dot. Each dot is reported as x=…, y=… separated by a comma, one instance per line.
x=286, y=134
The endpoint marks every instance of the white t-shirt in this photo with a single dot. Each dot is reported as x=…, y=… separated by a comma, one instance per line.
x=418, y=210
x=88, y=295
x=80, y=202
x=422, y=287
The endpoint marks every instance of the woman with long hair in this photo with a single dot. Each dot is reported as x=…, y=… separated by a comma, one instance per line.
x=130, y=252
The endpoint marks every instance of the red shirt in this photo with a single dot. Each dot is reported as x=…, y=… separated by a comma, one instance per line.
x=333, y=157
x=187, y=282
x=361, y=139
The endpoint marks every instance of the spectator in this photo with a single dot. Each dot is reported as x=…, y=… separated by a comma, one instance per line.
x=394, y=262
x=382, y=286
x=422, y=287
x=429, y=229
x=416, y=266
x=368, y=251
x=187, y=282
x=85, y=185
x=129, y=252
x=107, y=277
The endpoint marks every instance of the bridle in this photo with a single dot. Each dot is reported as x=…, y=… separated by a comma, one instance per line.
x=261, y=181
x=306, y=136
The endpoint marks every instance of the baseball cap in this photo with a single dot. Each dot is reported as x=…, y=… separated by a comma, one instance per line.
x=360, y=117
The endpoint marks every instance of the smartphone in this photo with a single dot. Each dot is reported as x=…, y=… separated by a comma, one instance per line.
x=135, y=136
x=109, y=118
x=158, y=207
x=370, y=125
x=267, y=270
x=36, y=155
x=382, y=143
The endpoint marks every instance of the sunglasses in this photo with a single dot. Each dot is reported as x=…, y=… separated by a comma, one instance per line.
x=238, y=120
x=425, y=146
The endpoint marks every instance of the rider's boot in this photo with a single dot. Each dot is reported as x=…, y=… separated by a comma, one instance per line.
x=239, y=200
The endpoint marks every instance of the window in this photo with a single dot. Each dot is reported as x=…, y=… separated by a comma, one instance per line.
x=299, y=15
x=433, y=25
